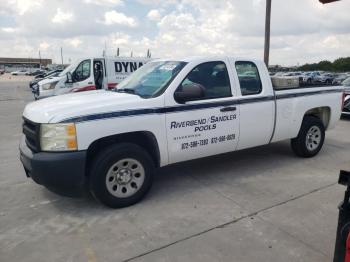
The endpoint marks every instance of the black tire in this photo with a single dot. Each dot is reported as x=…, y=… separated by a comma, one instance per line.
x=299, y=144
x=103, y=163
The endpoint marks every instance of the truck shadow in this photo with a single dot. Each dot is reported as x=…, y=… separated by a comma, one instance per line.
x=229, y=166
x=226, y=168
x=217, y=172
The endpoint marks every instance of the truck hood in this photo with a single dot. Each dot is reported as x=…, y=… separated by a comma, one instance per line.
x=49, y=80
x=58, y=108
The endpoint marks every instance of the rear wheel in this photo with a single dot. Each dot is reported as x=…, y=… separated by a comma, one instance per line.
x=121, y=175
x=310, y=138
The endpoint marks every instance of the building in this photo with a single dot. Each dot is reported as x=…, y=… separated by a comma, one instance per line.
x=8, y=63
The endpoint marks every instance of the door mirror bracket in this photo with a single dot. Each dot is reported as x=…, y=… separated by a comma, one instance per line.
x=69, y=77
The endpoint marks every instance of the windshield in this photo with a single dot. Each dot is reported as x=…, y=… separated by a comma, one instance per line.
x=69, y=68
x=151, y=79
x=50, y=73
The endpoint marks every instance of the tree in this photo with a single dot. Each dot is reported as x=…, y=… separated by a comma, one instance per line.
x=339, y=65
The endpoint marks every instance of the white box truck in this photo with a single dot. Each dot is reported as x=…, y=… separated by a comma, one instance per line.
x=89, y=74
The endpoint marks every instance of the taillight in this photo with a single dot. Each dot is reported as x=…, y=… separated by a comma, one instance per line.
x=342, y=106
x=347, y=249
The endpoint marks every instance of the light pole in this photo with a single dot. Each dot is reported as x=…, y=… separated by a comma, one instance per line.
x=39, y=59
x=267, y=32
x=61, y=56
x=267, y=28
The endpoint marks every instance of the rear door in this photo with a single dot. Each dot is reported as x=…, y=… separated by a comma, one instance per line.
x=257, y=104
x=207, y=126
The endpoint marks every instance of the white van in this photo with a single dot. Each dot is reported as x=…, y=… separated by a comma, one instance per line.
x=89, y=74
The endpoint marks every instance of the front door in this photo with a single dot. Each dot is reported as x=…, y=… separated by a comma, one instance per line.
x=207, y=126
x=83, y=78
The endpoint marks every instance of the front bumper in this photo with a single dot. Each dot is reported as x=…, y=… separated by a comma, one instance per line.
x=40, y=93
x=62, y=173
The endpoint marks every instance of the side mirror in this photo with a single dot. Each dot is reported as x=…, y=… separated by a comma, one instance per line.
x=69, y=77
x=189, y=92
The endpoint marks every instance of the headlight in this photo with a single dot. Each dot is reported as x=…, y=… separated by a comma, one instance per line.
x=49, y=86
x=58, y=137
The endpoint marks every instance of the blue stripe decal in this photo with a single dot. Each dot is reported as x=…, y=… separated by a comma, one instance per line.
x=293, y=95
x=182, y=108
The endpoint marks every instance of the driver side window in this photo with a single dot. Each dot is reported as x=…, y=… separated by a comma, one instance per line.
x=82, y=72
x=212, y=77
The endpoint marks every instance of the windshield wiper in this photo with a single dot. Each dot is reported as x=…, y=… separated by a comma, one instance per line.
x=128, y=90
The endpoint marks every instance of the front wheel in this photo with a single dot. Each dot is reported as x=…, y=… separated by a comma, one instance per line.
x=310, y=138
x=121, y=175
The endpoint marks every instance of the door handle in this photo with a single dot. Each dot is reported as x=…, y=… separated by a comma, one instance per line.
x=229, y=108
x=90, y=83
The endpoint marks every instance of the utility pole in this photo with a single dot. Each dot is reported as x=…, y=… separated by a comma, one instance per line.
x=267, y=32
x=39, y=59
x=267, y=28
x=61, y=56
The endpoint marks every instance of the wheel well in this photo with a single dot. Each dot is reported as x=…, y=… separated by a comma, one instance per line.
x=144, y=139
x=323, y=113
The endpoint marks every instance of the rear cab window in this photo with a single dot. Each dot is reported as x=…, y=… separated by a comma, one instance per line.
x=249, y=78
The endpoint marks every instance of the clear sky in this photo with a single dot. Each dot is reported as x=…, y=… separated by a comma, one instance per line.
x=301, y=30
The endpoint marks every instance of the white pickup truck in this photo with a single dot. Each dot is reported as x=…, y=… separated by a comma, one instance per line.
x=168, y=111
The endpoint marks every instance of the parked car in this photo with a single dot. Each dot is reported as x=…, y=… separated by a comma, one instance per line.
x=308, y=78
x=37, y=78
x=89, y=74
x=292, y=74
x=346, y=82
x=346, y=107
x=340, y=78
x=20, y=72
x=168, y=111
x=2, y=71
x=47, y=73
x=325, y=78
x=37, y=72
x=342, y=243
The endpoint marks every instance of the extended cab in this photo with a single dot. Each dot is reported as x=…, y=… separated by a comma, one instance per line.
x=166, y=112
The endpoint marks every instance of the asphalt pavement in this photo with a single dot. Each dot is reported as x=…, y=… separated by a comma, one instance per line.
x=260, y=204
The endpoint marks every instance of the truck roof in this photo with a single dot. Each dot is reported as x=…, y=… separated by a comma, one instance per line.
x=115, y=58
x=205, y=58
